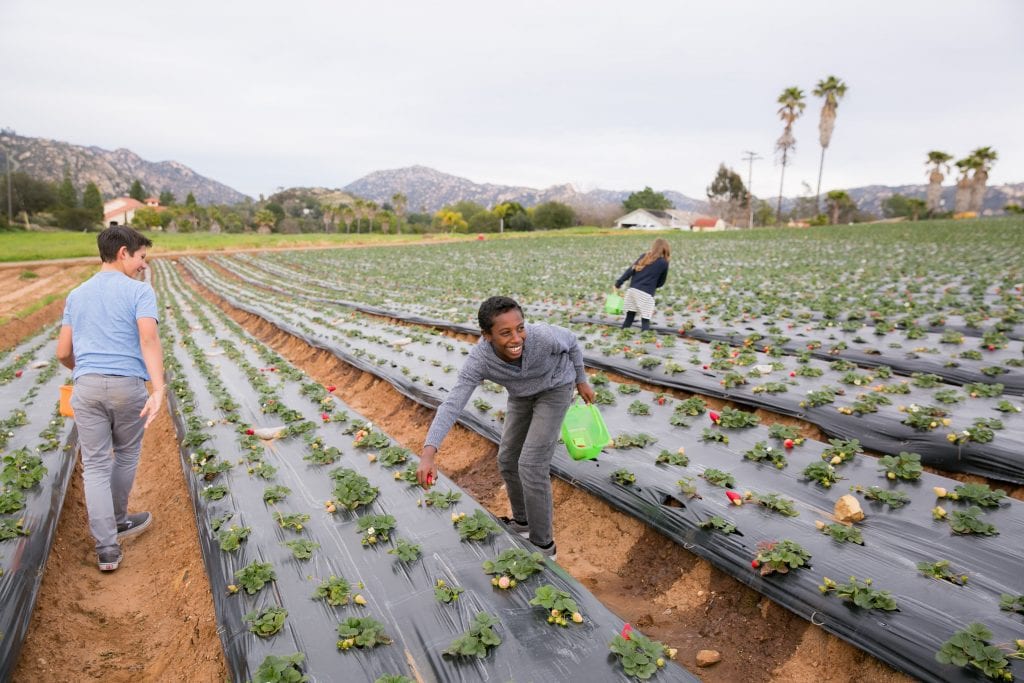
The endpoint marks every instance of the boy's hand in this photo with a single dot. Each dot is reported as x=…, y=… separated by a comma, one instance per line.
x=586, y=392
x=426, y=473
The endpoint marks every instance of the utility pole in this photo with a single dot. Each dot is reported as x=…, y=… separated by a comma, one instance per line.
x=750, y=158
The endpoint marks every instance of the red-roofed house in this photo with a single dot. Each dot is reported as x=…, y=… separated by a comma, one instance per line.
x=704, y=224
x=120, y=211
x=153, y=202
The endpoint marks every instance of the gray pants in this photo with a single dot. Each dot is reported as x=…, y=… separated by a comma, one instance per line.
x=532, y=426
x=110, y=438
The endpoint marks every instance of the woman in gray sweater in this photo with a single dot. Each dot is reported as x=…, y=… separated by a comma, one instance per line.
x=539, y=365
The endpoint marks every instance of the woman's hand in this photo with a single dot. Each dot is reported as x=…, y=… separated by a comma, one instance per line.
x=586, y=392
x=426, y=473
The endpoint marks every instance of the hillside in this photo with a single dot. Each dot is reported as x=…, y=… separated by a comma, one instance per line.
x=112, y=171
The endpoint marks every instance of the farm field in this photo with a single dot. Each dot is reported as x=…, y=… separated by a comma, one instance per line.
x=799, y=365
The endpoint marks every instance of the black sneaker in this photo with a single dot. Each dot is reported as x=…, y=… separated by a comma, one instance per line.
x=549, y=551
x=135, y=524
x=521, y=528
x=109, y=559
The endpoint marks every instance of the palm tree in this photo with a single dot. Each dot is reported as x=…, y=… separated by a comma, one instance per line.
x=984, y=157
x=938, y=161
x=962, y=203
x=792, y=101
x=832, y=90
x=399, y=202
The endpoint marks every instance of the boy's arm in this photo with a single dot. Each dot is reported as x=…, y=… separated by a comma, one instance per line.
x=65, y=348
x=153, y=357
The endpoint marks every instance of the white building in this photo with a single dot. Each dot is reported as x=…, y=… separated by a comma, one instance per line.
x=654, y=219
x=120, y=211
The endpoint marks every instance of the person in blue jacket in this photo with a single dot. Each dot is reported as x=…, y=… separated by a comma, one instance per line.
x=647, y=274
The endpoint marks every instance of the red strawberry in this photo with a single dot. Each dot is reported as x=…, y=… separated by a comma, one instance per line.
x=330, y=388
x=325, y=417
x=661, y=400
x=626, y=630
x=250, y=432
x=991, y=347
x=705, y=367
x=788, y=443
x=792, y=373
x=734, y=497
x=19, y=373
x=715, y=417
x=755, y=564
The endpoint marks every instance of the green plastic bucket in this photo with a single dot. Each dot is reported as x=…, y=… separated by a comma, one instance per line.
x=613, y=304
x=584, y=431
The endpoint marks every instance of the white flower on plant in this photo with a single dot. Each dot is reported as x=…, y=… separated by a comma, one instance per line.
x=371, y=531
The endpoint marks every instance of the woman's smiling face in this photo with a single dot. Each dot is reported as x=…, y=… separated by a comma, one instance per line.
x=507, y=335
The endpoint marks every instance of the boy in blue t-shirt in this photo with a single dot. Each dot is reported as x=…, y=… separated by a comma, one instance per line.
x=109, y=339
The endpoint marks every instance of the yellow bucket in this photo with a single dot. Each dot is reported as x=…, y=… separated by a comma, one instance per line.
x=65, y=400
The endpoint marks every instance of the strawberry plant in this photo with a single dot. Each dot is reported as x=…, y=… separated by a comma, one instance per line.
x=1005, y=406
x=560, y=607
x=477, y=526
x=11, y=501
x=22, y=469
x=481, y=405
x=978, y=494
x=710, y=435
x=275, y=494
x=514, y=563
x=394, y=678
x=717, y=523
x=352, y=489
x=983, y=390
x=779, y=557
x=860, y=593
x=375, y=528
x=406, y=551
x=638, y=408
x=12, y=528
x=733, y=380
x=776, y=503
x=477, y=640
x=970, y=647
x=603, y=396
x=821, y=472
x=719, y=478
x=211, y=492
x=334, y=591
x=287, y=669
x=408, y=475
x=623, y=477
x=969, y=522
x=692, y=406
x=841, y=450
x=361, y=632
x=782, y=432
x=771, y=388
x=1011, y=603
x=639, y=656
x=371, y=439
x=322, y=454
x=441, y=499
x=393, y=455
x=443, y=592
x=841, y=532
x=903, y=466
x=255, y=575
x=230, y=539
x=668, y=458
x=924, y=418
x=940, y=570
x=302, y=548
x=894, y=499
x=267, y=621
x=687, y=486
x=640, y=440
x=294, y=520
x=732, y=418
x=762, y=452
x=649, y=362
x=264, y=470
x=626, y=389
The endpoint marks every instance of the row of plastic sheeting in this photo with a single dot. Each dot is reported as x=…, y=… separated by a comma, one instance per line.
x=400, y=595
x=894, y=540
x=37, y=447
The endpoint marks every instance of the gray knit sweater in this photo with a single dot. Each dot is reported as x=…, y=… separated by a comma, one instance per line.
x=551, y=358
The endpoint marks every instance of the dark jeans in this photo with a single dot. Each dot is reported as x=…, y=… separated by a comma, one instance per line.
x=532, y=426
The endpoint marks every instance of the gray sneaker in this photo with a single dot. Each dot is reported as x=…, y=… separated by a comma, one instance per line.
x=518, y=527
x=135, y=524
x=109, y=559
x=550, y=551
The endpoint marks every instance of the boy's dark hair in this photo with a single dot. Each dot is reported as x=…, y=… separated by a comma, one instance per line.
x=113, y=238
x=492, y=308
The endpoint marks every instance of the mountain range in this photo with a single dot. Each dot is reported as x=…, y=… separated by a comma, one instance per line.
x=426, y=189
x=112, y=171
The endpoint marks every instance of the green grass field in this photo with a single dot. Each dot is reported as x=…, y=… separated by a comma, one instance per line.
x=41, y=246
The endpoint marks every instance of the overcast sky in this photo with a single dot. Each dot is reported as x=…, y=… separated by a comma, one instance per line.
x=618, y=95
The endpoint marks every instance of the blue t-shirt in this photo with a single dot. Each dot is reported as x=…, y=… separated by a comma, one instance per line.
x=103, y=314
